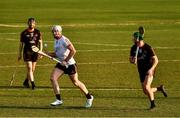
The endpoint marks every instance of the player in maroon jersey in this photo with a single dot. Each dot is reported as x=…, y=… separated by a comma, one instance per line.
x=146, y=63
x=29, y=37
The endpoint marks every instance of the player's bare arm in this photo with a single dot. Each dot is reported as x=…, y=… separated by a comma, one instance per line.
x=72, y=52
x=20, y=51
x=40, y=44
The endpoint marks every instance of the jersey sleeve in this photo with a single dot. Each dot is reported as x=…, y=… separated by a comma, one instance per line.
x=39, y=35
x=151, y=52
x=66, y=42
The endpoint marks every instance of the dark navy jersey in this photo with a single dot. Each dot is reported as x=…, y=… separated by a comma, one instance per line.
x=144, y=59
x=30, y=38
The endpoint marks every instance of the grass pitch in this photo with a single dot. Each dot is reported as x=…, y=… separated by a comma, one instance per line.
x=101, y=32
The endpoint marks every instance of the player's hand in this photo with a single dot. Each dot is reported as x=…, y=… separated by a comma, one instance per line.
x=63, y=63
x=133, y=60
x=40, y=56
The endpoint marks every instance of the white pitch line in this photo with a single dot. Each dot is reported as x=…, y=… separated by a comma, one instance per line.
x=95, y=44
x=8, y=33
x=8, y=53
x=11, y=39
x=103, y=50
x=75, y=89
x=88, y=63
x=70, y=25
x=169, y=60
x=100, y=50
x=158, y=47
x=102, y=44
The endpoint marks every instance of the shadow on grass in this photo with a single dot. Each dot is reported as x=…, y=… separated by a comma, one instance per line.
x=74, y=108
x=45, y=107
x=73, y=87
x=22, y=87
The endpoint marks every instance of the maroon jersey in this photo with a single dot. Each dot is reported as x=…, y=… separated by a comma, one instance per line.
x=145, y=55
x=144, y=59
x=29, y=39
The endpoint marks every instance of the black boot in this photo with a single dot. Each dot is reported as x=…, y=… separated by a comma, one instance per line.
x=33, y=85
x=26, y=83
x=152, y=105
x=161, y=88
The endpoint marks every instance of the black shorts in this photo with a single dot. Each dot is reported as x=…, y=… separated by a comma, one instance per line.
x=70, y=70
x=143, y=74
x=30, y=56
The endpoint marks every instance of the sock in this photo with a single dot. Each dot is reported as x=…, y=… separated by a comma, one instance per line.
x=58, y=96
x=26, y=80
x=159, y=88
x=32, y=83
x=88, y=96
x=152, y=104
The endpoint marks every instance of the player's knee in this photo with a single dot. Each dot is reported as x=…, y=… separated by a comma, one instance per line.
x=147, y=88
x=76, y=83
x=52, y=78
x=29, y=69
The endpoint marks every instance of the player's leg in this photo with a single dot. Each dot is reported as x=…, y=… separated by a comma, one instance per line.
x=150, y=91
x=161, y=88
x=56, y=73
x=30, y=75
x=33, y=69
x=82, y=87
x=142, y=76
x=26, y=58
x=30, y=60
x=26, y=82
x=79, y=84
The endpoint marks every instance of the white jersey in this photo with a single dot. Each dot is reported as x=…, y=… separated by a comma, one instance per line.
x=61, y=49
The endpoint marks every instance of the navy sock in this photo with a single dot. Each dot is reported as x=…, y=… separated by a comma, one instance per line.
x=58, y=96
x=88, y=96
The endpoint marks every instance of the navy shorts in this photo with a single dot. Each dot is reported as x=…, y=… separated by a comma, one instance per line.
x=70, y=70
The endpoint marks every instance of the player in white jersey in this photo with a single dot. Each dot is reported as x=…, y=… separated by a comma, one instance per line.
x=64, y=51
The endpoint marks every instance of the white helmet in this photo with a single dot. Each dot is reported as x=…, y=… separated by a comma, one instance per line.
x=57, y=28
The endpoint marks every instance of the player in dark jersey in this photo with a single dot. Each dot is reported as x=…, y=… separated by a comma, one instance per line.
x=28, y=38
x=146, y=64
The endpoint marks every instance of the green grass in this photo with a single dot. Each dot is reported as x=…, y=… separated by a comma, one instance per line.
x=101, y=31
